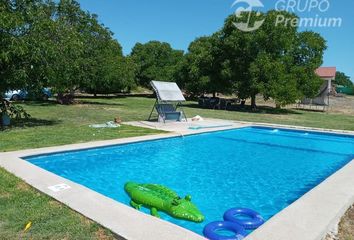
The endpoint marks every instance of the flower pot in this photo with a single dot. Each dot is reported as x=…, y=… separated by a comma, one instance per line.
x=5, y=119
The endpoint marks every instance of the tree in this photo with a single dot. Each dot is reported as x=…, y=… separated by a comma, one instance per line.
x=343, y=79
x=18, y=19
x=307, y=57
x=276, y=60
x=240, y=51
x=273, y=79
x=155, y=61
x=203, y=71
x=106, y=69
x=56, y=44
x=197, y=67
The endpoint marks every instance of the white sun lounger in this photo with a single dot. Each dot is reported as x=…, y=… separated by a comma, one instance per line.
x=168, y=101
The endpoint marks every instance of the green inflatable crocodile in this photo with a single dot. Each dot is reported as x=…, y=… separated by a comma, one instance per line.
x=160, y=198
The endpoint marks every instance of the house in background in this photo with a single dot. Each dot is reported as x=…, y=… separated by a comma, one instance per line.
x=328, y=74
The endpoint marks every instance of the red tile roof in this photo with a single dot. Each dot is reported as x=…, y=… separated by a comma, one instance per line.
x=326, y=72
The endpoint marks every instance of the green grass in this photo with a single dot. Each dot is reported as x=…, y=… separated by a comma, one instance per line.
x=53, y=124
x=283, y=116
x=21, y=204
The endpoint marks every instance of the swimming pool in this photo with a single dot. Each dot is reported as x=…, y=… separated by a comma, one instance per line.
x=260, y=168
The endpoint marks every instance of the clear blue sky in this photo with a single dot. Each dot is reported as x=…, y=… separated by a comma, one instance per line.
x=179, y=22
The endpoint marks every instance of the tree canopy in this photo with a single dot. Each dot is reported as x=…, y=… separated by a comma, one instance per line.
x=56, y=44
x=203, y=70
x=276, y=61
x=343, y=79
x=155, y=61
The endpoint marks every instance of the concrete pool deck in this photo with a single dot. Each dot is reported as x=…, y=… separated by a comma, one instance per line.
x=310, y=217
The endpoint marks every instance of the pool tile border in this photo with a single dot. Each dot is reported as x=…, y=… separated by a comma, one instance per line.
x=310, y=217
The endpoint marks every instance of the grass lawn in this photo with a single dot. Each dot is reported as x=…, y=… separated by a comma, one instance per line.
x=21, y=204
x=53, y=124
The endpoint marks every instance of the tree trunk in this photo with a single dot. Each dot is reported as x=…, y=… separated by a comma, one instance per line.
x=253, y=102
x=60, y=97
x=214, y=94
x=65, y=99
x=243, y=103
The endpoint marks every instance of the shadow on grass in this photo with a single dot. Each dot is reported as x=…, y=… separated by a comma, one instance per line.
x=100, y=103
x=248, y=109
x=39, y=103
x=77, y=102
x=54, y=103
x=32, y=122
x=81, y=100
x=113, y=96
x=91, y=99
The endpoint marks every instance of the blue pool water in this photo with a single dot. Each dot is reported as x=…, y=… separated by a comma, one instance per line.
x=260, y=168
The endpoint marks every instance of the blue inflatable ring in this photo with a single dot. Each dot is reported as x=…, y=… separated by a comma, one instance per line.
x=255, y=220
x=211, y=228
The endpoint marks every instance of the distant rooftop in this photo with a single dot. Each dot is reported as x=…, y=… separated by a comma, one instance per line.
x=326, y=72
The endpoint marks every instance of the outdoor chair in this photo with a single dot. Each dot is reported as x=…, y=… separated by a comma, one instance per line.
x=168, y=99
x=168, y=112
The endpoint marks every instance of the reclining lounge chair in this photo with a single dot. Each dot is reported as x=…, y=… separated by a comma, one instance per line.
x=168, y=100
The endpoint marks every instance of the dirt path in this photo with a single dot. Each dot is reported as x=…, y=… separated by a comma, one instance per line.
x=343, y=104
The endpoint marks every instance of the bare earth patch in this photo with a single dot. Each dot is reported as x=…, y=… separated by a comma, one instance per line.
x=86, y=221
x=102, y=235
x=4, y=195
x=346, y=226
x=23, y=186
x=342, y=104
x=55, y=204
